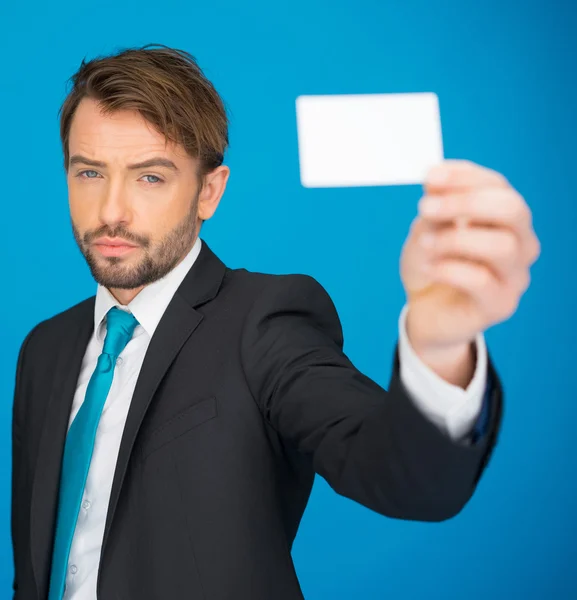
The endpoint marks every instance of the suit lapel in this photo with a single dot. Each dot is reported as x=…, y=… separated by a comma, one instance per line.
x=179, y=321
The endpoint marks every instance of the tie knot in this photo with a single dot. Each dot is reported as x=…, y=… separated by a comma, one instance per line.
x=120, y=326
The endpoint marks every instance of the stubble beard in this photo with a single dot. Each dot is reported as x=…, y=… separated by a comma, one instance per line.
x=156, y=262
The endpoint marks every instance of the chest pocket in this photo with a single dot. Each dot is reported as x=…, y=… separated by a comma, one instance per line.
x=178, y=425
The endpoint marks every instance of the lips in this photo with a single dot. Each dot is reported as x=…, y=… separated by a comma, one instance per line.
x=114, y=242
x=113, y=246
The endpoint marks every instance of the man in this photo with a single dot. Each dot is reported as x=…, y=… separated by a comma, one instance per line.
x=166, y=432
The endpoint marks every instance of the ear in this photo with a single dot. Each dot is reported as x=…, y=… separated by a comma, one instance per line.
x=211, y=193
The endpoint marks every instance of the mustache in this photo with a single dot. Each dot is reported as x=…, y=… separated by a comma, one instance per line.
x=116, y=233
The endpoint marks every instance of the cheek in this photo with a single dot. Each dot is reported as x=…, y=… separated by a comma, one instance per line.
x=151, y=221
x=82, y=202
x=79, y=211
x=162, y=216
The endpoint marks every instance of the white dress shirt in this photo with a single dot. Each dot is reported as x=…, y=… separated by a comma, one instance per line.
x=450, y=407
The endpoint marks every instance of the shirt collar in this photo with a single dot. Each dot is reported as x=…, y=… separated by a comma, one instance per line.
x=150, y=303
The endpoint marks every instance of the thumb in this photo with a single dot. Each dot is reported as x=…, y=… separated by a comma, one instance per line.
x=419, y=272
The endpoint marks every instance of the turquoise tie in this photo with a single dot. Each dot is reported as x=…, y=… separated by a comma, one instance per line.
x=120, y=326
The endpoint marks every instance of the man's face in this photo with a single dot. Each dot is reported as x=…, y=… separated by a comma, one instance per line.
x=153, y=208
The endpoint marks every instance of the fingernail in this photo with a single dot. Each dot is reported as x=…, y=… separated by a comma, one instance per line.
x=430, y=206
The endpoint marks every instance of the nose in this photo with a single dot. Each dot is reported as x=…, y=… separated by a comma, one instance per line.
x=115, y=205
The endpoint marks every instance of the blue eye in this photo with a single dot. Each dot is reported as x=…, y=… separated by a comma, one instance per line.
x=87, y=171
x=158, y=180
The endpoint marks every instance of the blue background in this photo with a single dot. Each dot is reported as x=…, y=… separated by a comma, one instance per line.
x=505, y=76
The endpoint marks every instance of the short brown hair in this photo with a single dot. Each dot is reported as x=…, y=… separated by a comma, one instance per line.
x=167, y=87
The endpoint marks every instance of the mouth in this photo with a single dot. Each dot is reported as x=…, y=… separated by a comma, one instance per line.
x=111, y=247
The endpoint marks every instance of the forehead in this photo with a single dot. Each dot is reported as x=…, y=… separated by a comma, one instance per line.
x=123, y=133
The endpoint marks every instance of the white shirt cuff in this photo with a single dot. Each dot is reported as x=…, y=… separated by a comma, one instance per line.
x=453, y=409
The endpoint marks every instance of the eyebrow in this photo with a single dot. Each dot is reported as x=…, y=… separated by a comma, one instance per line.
x=157, y=161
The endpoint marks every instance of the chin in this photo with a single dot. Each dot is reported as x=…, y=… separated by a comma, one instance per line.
x=118, y=283
x=111, y=273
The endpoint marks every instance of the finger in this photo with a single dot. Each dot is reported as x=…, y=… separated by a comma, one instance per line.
x=499, y=249
x=497, y=301
x=420, y=227
x=462, y=174
x=520, y=281
x=475, y=279
x=414, y=259
x=496, y=208
x=504, y=208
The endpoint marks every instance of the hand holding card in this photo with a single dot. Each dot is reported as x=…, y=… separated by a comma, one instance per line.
x=462, y=280
x=465, y=263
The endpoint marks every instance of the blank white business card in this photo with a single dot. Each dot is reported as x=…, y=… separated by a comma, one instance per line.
x=368, y=139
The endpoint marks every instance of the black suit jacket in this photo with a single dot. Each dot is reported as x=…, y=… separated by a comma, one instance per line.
x=243, y=396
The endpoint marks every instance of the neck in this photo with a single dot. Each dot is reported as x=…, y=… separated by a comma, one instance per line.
x=125, y=297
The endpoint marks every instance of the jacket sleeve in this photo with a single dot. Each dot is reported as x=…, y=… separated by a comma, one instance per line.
x=371, y=445
x=16, y=518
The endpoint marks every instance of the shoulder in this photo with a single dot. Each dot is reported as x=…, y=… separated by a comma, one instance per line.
x=285, y=306
x=267, y=289
x=54, y=327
